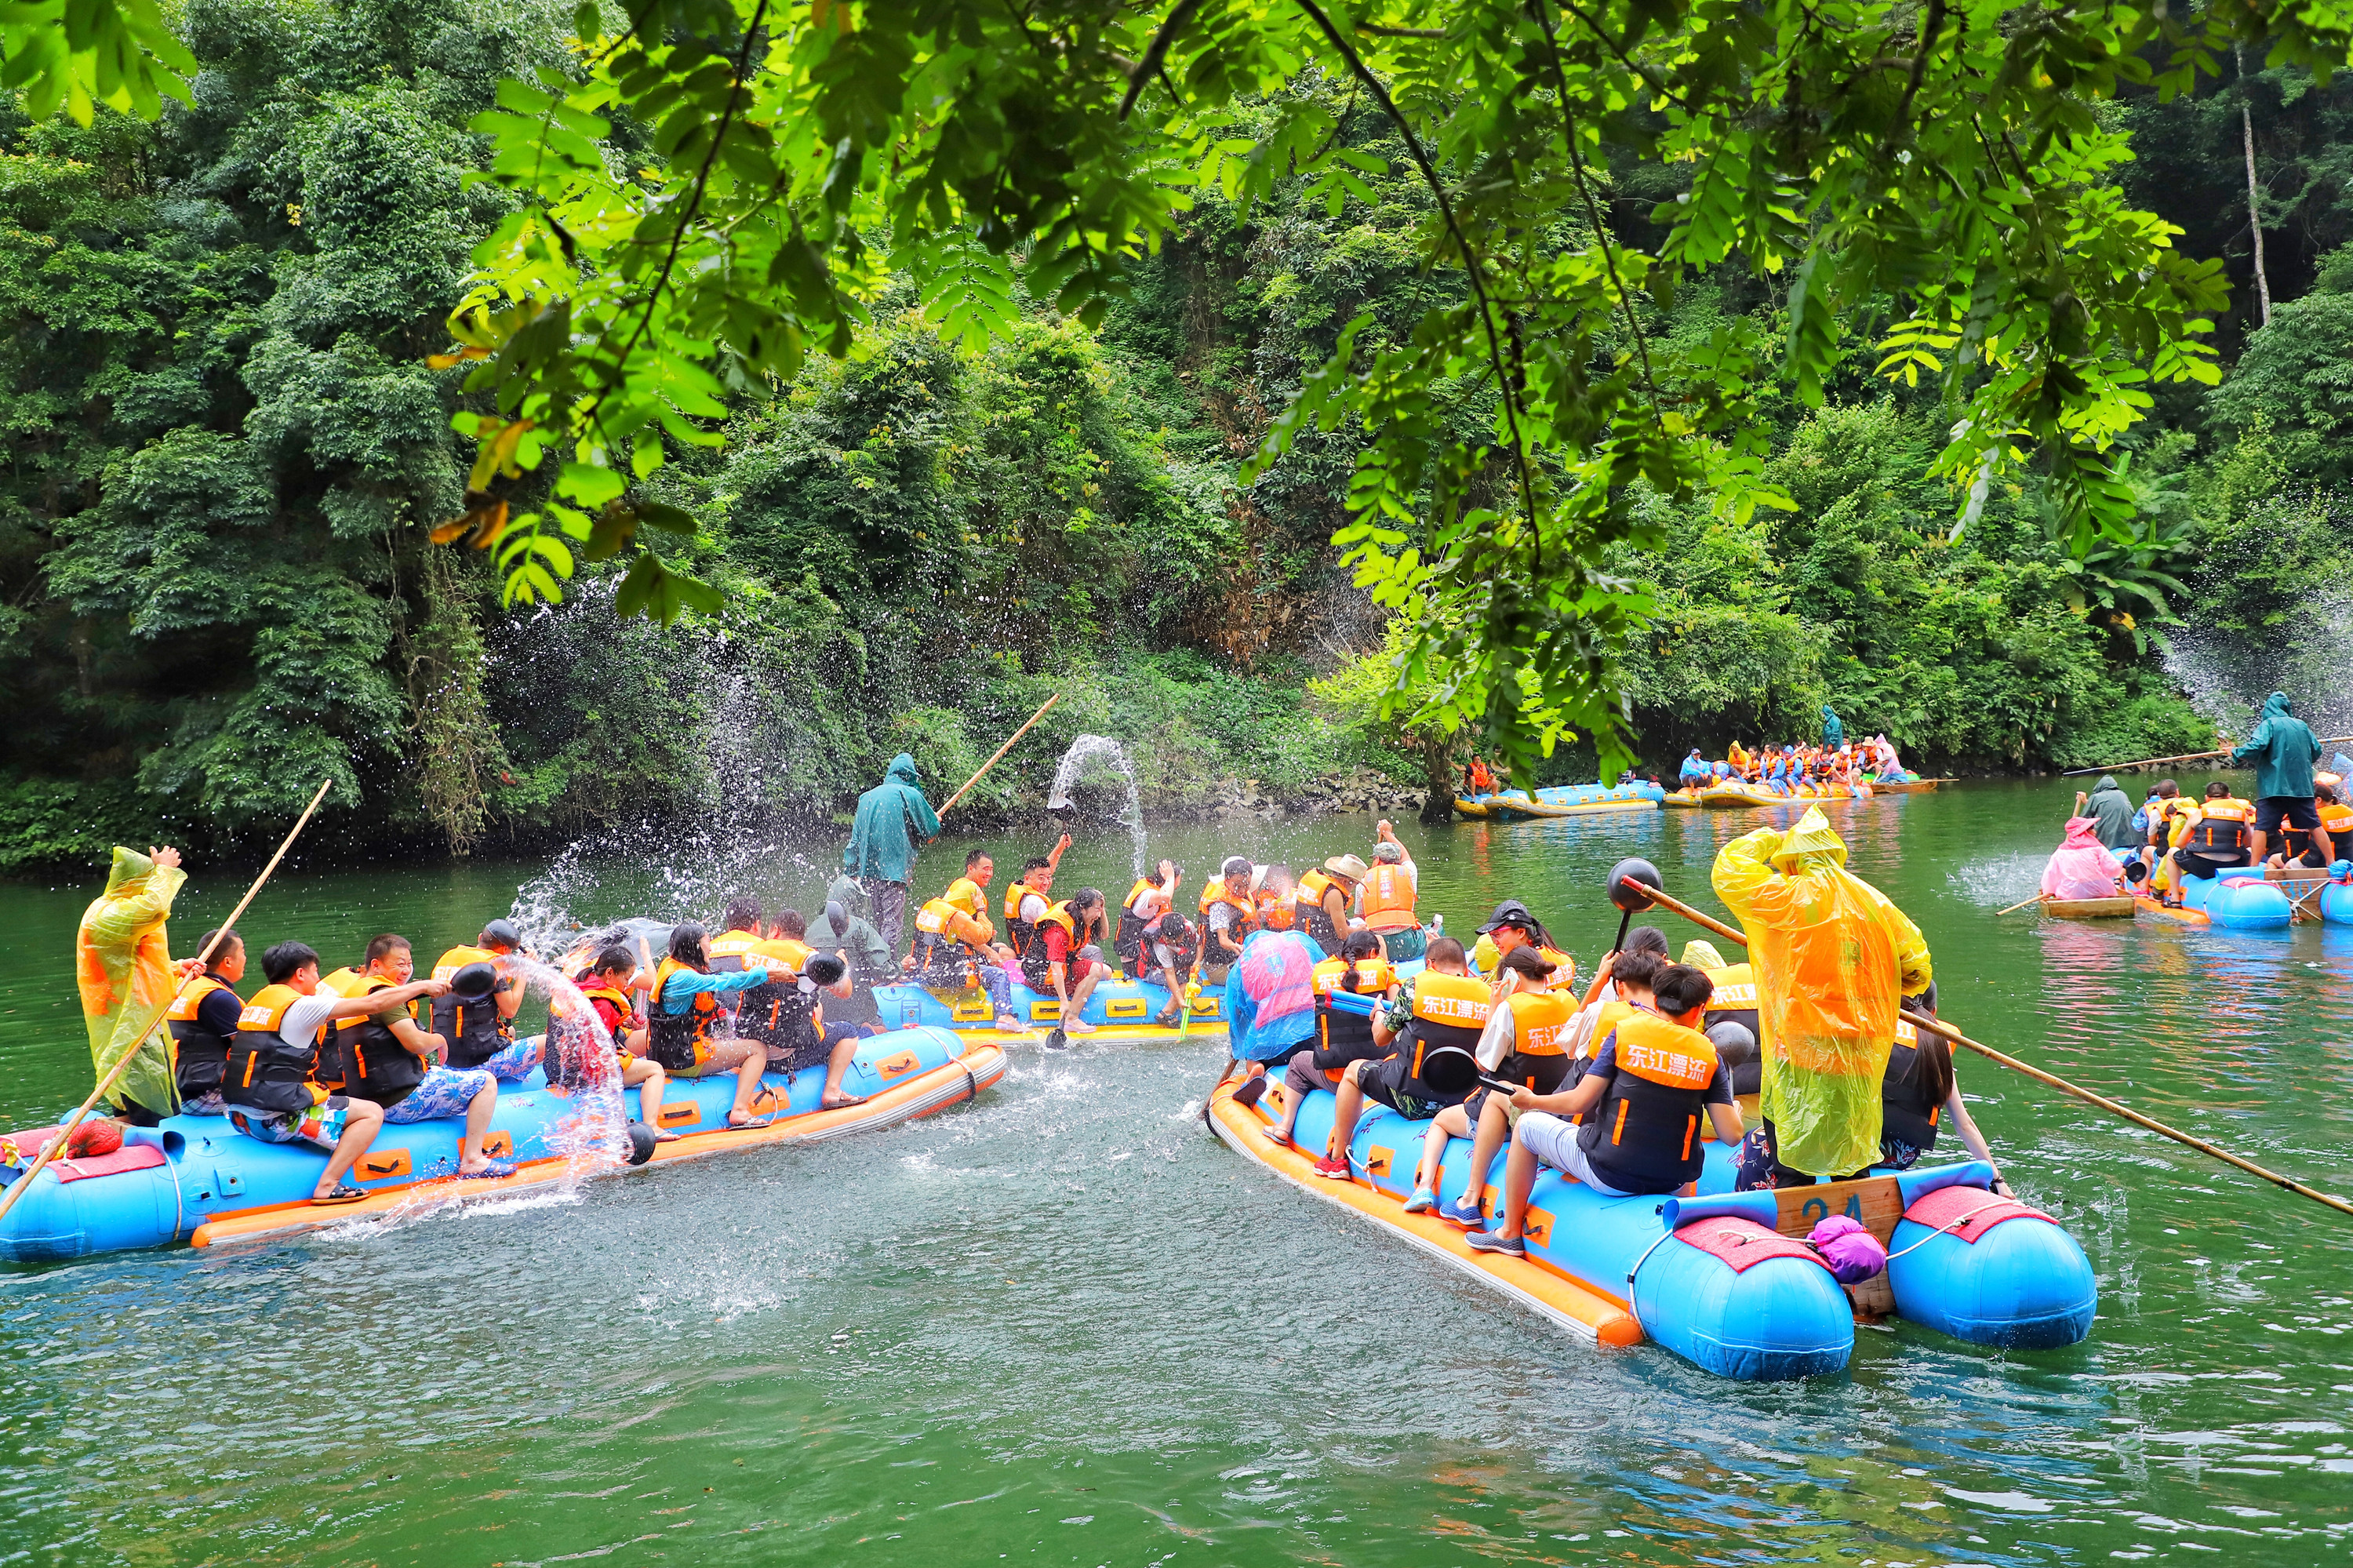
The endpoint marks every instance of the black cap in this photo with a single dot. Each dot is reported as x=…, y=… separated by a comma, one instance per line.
x=473, y=981
x=1510, y=912
x=503, y=932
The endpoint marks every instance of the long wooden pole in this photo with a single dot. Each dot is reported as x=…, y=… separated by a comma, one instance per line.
x=1000, y=752
x=1935, y=1026
x=2021, y=904
x=2188, y=757
x=57, y=1145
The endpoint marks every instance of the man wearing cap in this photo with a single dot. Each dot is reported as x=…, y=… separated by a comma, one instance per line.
x=1510, y=925
x=1322, y=900
x=477, y=1016
x=1390, y=887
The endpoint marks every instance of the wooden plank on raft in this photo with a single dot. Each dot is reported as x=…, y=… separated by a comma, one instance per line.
x=2121, y=907
x=1876, y=1202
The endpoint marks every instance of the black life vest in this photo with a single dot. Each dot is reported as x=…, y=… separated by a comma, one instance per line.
x=1906, y=1114
x=777, y=1015
x=1644, y=1136
x=1036, y=967
x=726, y=953
x=1447, y=1010
x=370, y=1063
x=1018, y=931
x=1312, y=918
x=199, y=1051
x=680, y=1041
x=263, y=1072
x=1341, y=1037
x=2222, y=826
x=474, y=1029
x=1539, y=1056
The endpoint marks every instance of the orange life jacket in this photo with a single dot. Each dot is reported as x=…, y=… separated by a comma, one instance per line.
x=1389, y=898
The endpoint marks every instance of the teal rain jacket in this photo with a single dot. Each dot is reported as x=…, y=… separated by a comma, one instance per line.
x=2112, y=810
x=1834, y=732
x=2283, y=750
x=892, y=818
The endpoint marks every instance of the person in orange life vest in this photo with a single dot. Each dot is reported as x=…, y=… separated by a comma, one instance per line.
x=1524, y=1041
x=269, y=1086
x=1742, y=765
x=1341, y=1037
x=1639, y=1101
x=684, y=1015
x=1387, y=896
x=386, y=1059
x=480, y=1032
x=1229, y=915
x=203, y=1021
x=1320, y=901
x=1621, y=985
x=610, y=985
x=786, y=1018
x=1510, y=925
x=2208, y=837
x=1031, y=895
x=2320, y=846
x=956, y=946
x=1059, y=957
x=1478, y=778
x=1276, y=896
x=741, y=930
x=1145, y=903
x=1445, y=1005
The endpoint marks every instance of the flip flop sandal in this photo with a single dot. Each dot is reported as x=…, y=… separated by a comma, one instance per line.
x=494, y=1170
x=846, y=1102
x=343, y=1192
x=665, y=1137
x=757, y=1121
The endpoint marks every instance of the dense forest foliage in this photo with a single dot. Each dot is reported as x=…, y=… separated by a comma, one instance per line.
x=226, y=450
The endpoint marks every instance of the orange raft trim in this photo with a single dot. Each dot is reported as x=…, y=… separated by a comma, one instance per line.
x=951, y=1083
x=2171, y=912
x=1533, y=1283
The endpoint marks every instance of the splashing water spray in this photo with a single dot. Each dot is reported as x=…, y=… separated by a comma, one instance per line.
x=1092, y=748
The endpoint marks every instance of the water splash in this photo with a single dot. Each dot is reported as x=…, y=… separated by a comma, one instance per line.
x=1071, y=771
x=2227, y=680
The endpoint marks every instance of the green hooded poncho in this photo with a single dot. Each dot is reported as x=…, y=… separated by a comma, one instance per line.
x=122, y=966
x=2283, y=751
x=1834, y=732
x=892, y=818
x=2112, y=810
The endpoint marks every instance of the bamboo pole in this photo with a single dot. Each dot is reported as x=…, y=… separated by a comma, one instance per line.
x=1001, y=751
x=1947, y=1031
x=57, y=1145
x=2189, y=756
x=2021, y=904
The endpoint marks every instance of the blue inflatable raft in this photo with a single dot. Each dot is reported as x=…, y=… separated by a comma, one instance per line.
x=1720, y=1280
x=198, y=1178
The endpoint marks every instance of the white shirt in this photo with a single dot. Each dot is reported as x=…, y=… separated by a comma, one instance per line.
x=299, y=1027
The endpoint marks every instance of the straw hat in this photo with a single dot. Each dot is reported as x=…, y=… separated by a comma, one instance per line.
x=1346, y=866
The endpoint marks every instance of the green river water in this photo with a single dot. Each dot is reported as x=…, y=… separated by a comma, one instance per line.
x=1065, y=1326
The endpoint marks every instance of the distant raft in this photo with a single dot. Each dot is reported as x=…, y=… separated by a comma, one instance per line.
x=1721, y=1279
x=1726, y=793
x=1123, y=1011
x=197, y=1179
x=1561, y=800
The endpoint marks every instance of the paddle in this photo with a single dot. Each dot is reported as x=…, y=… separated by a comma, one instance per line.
x=1001, y=751
x=57, y=1145
x=2031, y=898
x=2052, y=1080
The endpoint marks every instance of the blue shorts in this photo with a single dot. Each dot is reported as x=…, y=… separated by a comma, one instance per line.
x=1554, y=1142
x=446, y=1091
x=514, y=1064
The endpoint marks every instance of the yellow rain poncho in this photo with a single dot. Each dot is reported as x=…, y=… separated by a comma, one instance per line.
x=1834, y=959
x=123, y=967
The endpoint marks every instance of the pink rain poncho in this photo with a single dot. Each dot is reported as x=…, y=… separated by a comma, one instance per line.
x=2082, y=867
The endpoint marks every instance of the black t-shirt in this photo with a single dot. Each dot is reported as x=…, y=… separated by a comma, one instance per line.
x=219, y=1010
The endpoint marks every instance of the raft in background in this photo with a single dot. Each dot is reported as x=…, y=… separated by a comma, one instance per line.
x=1718, y=1279
x=1561, y=800
x=1726, y=793
x=1121, y=1009
x=198, y=1178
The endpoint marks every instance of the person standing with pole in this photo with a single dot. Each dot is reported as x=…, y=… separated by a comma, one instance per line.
x=123, y=968
x=1834, y=961
x=893, y=820
x=2284, y=752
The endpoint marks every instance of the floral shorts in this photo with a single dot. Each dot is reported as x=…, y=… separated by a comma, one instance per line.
x=514, y=1064
x=320, y=1126
x=446, y=1091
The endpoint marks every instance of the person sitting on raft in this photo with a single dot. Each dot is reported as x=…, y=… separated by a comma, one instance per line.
x=1229, y=915
x=1510, y=925
x=1736, y=757
x=1622, y=987
x=1639, y=1105
x=1478, y=780
x=2207, y=839
x=2082, y=867
x=2334, y=837
x=1523, y=1043
x=1035, y=881
x=1694, y=774
x=1342, y=1038
x=1321, y=901
x=1443, y=1005
x=384, y=1058
x=481, y=1030
x=608, y=985
x=684, y=1014
x=203, y=1021
x=1277, y=898
x=1145, y=903
x=785, y=1018
x=1391, y=885
x=271, y=1088
x=843, y=930
x=955, y=946
x=1064, y=956
x=1172, y=946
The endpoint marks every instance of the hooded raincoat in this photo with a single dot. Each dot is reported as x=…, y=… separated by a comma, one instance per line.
x=2082, y=867
x=1271, y=995
x=855, y=936
x=2283, y=751
x=2111, y=811
x=1833, y=959
x=122, y=964
x=1834, y=732
x=892, y=818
